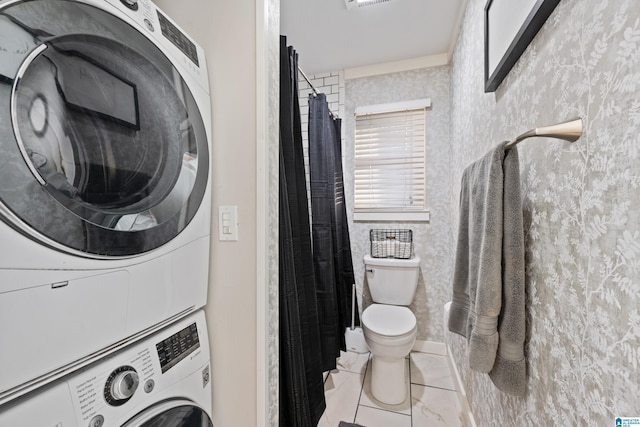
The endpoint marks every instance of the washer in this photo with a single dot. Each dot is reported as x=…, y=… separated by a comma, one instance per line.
x=163, y=377
x=105, y=202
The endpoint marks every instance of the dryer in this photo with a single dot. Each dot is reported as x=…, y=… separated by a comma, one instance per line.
x=105, y=194
x=163, y=380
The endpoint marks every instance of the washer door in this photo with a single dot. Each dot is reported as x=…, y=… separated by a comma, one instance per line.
x=172, y=413
x=103, y=151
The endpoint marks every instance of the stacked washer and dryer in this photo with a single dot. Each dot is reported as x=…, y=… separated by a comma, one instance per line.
x=105, y=208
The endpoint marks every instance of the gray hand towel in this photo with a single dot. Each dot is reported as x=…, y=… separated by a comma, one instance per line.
x=488, y=280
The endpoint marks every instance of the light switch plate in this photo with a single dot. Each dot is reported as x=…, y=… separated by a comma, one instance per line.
x=228, y=223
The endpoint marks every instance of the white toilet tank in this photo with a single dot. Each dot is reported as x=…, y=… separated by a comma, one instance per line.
x=391, y=280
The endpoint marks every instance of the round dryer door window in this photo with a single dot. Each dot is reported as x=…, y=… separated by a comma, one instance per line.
x=103, y=150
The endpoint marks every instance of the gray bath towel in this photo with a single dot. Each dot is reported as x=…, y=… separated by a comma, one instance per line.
x=488, y=303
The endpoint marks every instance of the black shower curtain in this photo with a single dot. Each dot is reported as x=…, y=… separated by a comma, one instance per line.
x=301, y=396
x=331, y=245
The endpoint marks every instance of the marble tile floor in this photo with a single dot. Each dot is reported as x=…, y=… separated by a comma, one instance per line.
x=432, y=399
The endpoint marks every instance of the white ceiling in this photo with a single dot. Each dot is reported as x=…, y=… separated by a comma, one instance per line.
x=328, y=37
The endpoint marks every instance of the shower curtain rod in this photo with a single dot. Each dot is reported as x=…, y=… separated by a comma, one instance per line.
x=315, y=92
x=570, y=131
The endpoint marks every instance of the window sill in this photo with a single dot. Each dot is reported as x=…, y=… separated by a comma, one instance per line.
x=391, y=216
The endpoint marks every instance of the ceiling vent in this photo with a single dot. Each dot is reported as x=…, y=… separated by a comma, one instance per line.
x=360, y=3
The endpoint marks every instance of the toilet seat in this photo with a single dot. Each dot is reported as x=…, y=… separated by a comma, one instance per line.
x=389, y=320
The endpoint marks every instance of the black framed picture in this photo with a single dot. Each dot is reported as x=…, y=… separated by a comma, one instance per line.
x=509, y=27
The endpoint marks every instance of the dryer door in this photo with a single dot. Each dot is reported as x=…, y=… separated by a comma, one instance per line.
x=174, y=413
x=103, y=151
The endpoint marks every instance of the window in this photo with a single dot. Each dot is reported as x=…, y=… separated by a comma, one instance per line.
x=390, y=162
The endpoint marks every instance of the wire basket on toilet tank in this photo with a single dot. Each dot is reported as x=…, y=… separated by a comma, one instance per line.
x=391, y=243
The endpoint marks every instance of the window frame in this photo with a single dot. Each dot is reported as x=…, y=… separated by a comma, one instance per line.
x=396, y=214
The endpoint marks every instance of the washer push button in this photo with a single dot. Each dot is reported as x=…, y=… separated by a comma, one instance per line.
x=97, y=421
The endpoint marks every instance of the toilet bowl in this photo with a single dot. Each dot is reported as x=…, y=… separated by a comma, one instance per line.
x=390, y=332
x=389, y=326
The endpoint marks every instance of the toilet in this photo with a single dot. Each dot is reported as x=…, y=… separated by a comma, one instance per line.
x=389, y=326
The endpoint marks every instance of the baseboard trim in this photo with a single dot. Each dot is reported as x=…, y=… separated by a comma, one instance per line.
x=467, y=415
x=433, y=347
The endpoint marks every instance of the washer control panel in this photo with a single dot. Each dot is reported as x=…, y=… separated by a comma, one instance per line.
x=140, y=374
x=175, y=348
x=114, y=387
x=127, y=382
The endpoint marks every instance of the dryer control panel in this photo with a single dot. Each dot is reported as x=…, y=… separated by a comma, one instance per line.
x=178, y=38
x=160, y=27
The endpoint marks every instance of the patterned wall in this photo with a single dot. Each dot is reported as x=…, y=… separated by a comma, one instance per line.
x=273, y=143
x=432, y=241
x=582, y=209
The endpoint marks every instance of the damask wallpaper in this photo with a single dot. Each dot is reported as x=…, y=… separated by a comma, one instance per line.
x=582, y=209
x=432, y=241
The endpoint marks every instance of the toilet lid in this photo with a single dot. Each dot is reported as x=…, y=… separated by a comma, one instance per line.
x=390, y=320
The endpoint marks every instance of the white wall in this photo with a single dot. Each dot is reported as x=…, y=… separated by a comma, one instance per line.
x=227, y=32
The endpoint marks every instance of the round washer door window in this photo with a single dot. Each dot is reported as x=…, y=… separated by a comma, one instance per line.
x=174, y=413
x=103, y=151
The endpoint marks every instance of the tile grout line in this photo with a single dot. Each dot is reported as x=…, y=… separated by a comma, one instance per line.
x=436, y=387
x=364, y=378
x=410, y=393
x=377, y=408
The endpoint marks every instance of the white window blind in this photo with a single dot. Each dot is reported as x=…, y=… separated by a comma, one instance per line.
x=390, y=158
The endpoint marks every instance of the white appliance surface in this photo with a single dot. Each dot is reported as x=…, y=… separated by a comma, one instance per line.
x=172, y=365
x=59, y=310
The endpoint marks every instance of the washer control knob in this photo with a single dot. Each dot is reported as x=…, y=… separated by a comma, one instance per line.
x=131, y=4
x=121, y=385
x=124, y=385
